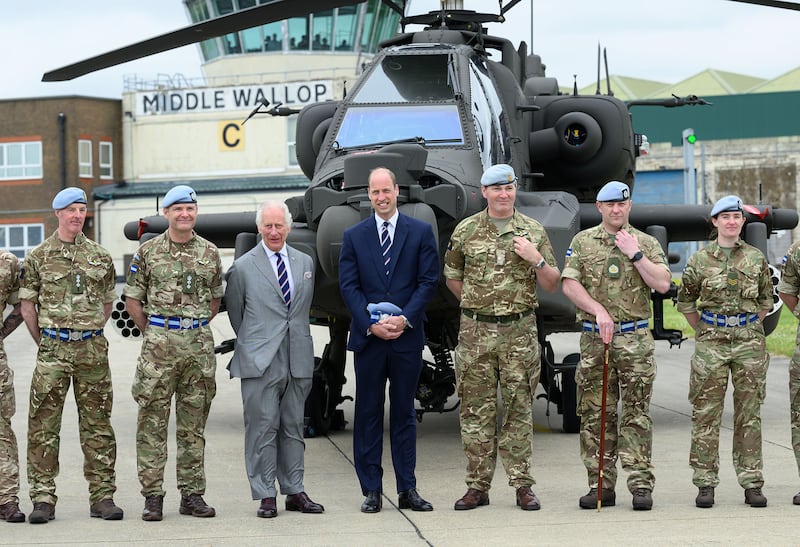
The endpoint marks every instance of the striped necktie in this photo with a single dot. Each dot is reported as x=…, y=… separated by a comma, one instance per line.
x=386, y=246
x=283, y=280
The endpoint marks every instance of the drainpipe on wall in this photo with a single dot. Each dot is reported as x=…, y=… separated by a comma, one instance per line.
x=62, y=147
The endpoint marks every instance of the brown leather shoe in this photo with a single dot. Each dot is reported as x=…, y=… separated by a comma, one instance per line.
x=153, y=508
x=195, y=505
x=268, y=508
x=10, y=512
x=527, y=500
x=301, y=502
x=472, y=499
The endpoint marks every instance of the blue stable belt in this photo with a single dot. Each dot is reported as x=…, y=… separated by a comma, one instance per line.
x=620, y=327
x=177, y=323
x=69, y=335
x=720, y=320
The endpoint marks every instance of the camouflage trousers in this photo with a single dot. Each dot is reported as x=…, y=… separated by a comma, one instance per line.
x=9, y=454
x=489, y=355
x=742, y=351
x=85, y=364
x=794, y=399
x=179, y=363
x=629, y=429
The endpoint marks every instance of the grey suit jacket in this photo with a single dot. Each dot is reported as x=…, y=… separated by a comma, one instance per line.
x=262, y=320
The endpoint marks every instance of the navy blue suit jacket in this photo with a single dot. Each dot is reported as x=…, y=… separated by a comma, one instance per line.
x=410, y=285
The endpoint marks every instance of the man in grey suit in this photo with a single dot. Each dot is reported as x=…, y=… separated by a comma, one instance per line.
x=268, y=299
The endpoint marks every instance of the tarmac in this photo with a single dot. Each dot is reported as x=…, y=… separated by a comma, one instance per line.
x=330, y=478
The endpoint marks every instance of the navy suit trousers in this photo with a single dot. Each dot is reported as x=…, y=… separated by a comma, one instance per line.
x=376, y=363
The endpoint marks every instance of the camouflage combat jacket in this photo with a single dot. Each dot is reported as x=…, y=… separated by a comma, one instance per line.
x=608, y=275
x=718, y=284
x=71, y=283
x=496, y=280
x=9, y=279
x=176, y=279
x=790, y=274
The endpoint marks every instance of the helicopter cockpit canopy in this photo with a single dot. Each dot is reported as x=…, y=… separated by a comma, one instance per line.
x=405, y=98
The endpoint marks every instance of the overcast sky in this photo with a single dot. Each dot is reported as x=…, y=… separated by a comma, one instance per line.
x=666, y=41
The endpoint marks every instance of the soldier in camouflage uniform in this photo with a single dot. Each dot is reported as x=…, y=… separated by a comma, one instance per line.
x=608, y=274
x=492, y=264
x=725, y=293
x=67, y=291
x=9, y=454
x=788, y=290
x=173, y=291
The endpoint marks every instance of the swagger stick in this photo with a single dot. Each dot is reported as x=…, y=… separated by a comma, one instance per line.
x=601, y=459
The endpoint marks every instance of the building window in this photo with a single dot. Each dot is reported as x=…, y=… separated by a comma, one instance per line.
x=84, y=158
x=20, y=160
x=21, y=238
x=291, y=149
x=106, y=160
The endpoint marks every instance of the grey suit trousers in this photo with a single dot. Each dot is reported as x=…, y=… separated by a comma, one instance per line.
x=273, y=407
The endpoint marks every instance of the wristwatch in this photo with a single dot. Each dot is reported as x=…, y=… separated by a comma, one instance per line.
x=637, y=257
x=541, y=264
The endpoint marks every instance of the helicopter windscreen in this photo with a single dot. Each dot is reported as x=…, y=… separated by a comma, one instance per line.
x=408, y=78
x=391, y=95
x=372, y=125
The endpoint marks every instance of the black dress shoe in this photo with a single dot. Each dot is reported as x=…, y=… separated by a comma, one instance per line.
x=301, y=502
x=268, y=508
x=372, y=503
x=412, y=500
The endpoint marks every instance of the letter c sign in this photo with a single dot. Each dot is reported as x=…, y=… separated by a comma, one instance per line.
x=231, y=136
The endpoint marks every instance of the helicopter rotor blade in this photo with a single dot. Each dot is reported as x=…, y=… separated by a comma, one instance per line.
x=276, y=10
x=772, y=4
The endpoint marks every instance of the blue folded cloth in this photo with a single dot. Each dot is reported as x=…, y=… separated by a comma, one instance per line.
x=381, y=310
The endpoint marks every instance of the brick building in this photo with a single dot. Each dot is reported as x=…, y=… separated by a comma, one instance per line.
x=47, y=144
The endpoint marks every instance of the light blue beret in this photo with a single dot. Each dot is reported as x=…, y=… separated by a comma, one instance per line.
x=377, y=311
x=726, y=204
x=614, y=191
x=67, y=197
x=179, y=194
x=498, y=174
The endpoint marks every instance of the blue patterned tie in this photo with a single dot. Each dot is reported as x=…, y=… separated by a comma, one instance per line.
x=386, y=246
x=283, y=280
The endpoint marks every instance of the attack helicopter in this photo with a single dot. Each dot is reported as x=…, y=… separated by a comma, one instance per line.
x=438, y=106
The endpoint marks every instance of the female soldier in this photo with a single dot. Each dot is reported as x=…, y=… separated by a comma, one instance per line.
x=725, y=293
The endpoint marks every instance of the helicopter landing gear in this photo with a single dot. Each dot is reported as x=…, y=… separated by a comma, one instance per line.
x=321, y=413
x=564, y=392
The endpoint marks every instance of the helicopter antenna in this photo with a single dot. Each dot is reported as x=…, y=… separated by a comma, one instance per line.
x=597, y=91
x=257, y=110
x=608, y=78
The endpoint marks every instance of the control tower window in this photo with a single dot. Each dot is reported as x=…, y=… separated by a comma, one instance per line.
x=273, y=36
x=223, y=7
x=298, y=33
x=251, y=38
x=323, y=30
x=346, y=24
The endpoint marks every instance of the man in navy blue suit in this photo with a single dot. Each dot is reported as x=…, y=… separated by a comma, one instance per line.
x=390, y=260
